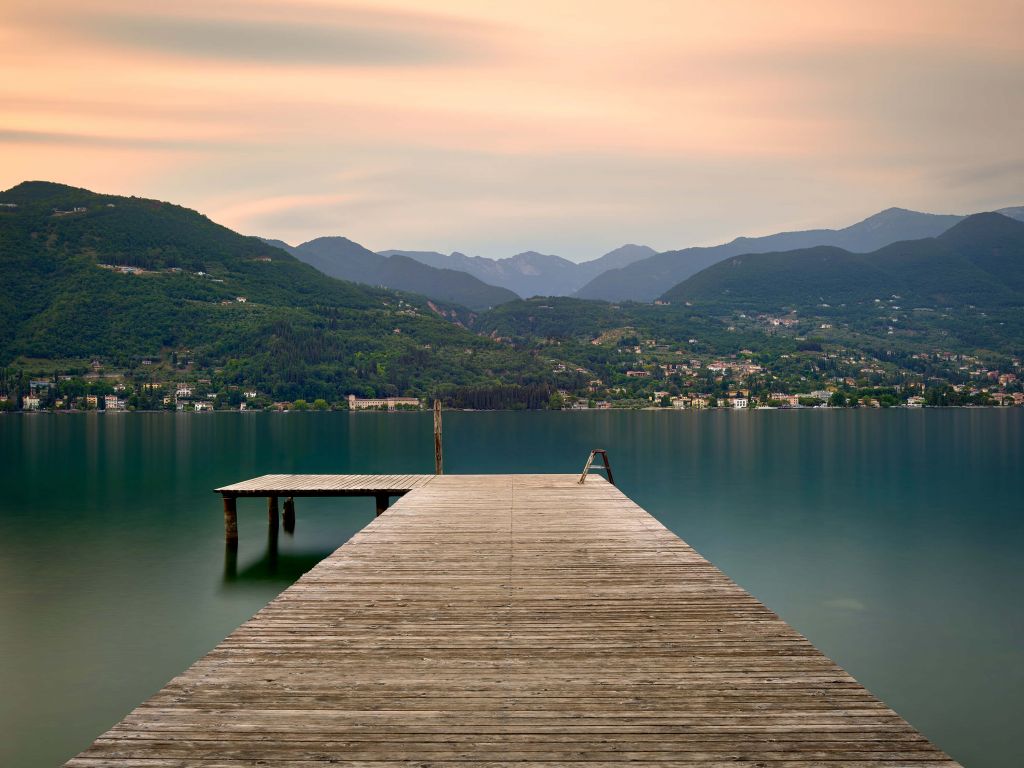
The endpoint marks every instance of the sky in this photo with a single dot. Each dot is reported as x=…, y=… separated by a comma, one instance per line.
x=497, y=127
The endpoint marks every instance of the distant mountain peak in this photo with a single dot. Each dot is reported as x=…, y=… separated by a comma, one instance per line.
x=333, y=239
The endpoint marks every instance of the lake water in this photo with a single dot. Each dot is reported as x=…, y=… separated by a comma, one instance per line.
x=893, y=540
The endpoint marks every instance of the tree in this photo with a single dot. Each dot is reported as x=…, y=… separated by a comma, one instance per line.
x=838, y=400
x=320, y=404
x=300, y=405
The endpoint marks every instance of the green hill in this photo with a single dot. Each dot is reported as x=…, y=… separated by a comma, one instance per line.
x=979, y=261
x=117, y=278
x=967, y=284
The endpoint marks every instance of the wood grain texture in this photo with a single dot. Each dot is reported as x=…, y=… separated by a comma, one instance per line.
x=513, y=620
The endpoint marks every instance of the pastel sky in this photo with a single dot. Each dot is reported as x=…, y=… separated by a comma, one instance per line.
x=496, y=127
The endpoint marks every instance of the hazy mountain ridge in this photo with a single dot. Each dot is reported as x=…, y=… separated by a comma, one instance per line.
x=531, y=273
x=347, y=260
x=646, y=280
x=976, y=264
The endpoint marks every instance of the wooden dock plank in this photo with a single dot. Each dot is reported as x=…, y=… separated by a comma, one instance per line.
x=511, y=620
x=325, y=485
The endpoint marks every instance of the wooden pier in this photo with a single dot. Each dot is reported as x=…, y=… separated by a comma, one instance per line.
x=512, y=620
x=381, y=487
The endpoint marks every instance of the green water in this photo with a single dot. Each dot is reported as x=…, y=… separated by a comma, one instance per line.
x=893, y=540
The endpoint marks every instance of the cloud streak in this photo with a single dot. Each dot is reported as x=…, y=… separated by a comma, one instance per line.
x=308, y=39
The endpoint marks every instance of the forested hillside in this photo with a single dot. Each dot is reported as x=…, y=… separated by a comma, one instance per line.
x=119, y=279
x=965, y=286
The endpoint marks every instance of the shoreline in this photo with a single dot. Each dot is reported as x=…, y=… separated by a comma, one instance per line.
x=76, y=412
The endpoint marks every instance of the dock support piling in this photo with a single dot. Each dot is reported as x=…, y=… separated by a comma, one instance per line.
x=383, y=502
x=230, y=520
x=289, y=515
x=438, y=462
x=272, y=515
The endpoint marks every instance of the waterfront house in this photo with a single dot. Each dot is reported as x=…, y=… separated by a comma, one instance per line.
x=740, y=402
x=35, y=386
x=786, y=401
x=389, y=403
x=113, y=403
x=30, y=403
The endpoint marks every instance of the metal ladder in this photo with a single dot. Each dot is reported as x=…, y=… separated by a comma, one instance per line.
x=607, y=467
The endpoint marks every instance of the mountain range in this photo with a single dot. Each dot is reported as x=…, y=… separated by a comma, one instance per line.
x=122, y=279
x=959, y=293
x=531, y=273
x=975, y=266
x=645, y=280
x=342, y=258
x=629, y=273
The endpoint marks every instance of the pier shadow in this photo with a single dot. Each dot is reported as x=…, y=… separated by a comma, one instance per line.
x=273, y=566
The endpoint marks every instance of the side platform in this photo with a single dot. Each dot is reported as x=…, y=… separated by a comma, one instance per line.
x=512, y=620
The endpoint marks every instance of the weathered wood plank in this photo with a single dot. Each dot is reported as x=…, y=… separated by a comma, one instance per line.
x=509, y=620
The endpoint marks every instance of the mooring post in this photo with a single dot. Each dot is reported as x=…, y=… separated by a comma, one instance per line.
x=383, y=501
x=230, y=520
x=289, y=515
x=272, y=516
x=438, y=461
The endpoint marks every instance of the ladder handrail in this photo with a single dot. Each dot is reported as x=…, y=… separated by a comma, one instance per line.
x=590, y=460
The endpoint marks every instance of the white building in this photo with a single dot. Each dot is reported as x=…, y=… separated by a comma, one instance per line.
x=359, y=404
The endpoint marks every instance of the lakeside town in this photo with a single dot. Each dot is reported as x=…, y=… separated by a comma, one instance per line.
x=643, y=376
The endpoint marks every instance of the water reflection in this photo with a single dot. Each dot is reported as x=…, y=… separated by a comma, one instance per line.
x=272, y=566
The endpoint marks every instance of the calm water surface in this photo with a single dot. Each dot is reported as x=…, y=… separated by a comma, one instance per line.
x=893, y=540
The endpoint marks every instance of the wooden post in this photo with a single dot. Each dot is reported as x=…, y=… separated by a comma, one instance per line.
x=383, y=501
x=438, y=461
x=272, y=516
x=289, y=515
x=230, y=520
